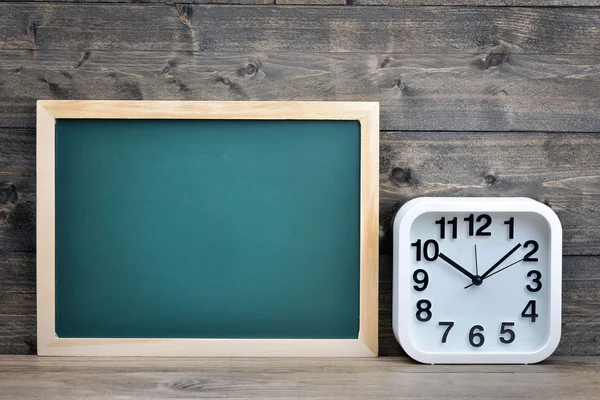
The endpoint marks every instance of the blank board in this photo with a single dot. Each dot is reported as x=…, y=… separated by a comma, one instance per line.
x=206, y=233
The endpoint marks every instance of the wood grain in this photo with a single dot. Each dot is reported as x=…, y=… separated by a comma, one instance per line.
x=17, y=190
x=560, y=170
x=17, y=334
x=495, y=3
x=311, y=2
x=416, y=30
x=495, y=91
x=392, y=378
x=209, y=2
x=17, y=303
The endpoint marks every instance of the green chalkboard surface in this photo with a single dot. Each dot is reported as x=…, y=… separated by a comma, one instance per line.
x=207, y=228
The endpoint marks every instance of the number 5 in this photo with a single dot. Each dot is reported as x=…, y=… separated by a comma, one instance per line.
x=504, y=330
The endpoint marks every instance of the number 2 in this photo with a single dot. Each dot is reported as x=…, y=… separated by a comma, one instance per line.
x=536, y=246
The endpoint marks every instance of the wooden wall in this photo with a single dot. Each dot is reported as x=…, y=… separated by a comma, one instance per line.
x=478, y=98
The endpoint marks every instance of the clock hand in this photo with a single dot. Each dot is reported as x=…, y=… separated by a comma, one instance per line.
x=500, y=270
x=500, y=261
x=476, y=267
x=455, y=265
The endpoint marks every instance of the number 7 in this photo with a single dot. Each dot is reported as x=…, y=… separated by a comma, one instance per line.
x=449, y=326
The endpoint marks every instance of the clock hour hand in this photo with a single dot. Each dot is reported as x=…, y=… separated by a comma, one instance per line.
x=500, y=261
x=455, y=265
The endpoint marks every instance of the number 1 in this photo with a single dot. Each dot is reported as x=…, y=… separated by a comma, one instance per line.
x=511, y=227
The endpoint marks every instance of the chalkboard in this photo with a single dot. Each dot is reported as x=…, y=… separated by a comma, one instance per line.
x=208, y=228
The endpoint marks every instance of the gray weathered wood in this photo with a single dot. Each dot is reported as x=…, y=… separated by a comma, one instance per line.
x=494, y=91
x=17, y=284
x=17, y=334
x=17, y=303
x=560, y=170
x=68, y=365
x=17, y=190
x=311, y=2
x=17, y=275
x=417, y=30
x=392, y=378
x=216, y=2
x=499, y=3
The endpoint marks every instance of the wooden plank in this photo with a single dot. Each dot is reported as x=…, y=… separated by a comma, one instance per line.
x=17, y=190
x=215, y=2
x=17, y=297
x=37, y=377
x=495, y=3
x=311, y=2
x=497, y=91
x=561, y=170
x=17, y=303
x=416, y=30
x=17, y=335
x=74, y=365
x=581, y=313
x=17, y=275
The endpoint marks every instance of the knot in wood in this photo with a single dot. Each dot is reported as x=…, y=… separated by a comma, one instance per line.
x=495, y=59
x=490, y=179
x=404, y=176
x=8, y=193
x=250, y=69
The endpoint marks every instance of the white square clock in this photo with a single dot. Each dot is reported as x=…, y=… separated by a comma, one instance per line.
x=477, y=280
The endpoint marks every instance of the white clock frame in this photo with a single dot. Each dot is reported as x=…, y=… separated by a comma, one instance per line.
x=402, y=275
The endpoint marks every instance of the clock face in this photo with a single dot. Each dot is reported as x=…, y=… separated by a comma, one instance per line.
x=477, y=283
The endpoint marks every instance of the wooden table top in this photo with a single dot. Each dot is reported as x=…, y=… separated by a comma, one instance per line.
x=394, y=378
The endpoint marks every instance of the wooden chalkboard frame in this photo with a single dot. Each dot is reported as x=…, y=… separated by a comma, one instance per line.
x=366, y=113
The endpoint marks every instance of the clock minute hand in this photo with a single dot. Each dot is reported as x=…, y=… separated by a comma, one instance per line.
x=455, y=265
x=500, y=261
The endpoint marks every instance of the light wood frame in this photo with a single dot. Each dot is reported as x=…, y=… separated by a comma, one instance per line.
x=367, y=113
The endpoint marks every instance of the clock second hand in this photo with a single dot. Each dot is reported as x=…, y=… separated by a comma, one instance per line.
x=500, y=261
x=476, y=267
x=500, y=270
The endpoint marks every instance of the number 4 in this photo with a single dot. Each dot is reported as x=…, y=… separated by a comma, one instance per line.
x=532, y=314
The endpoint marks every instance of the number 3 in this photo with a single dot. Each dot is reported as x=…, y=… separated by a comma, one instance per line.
x=536, y=280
